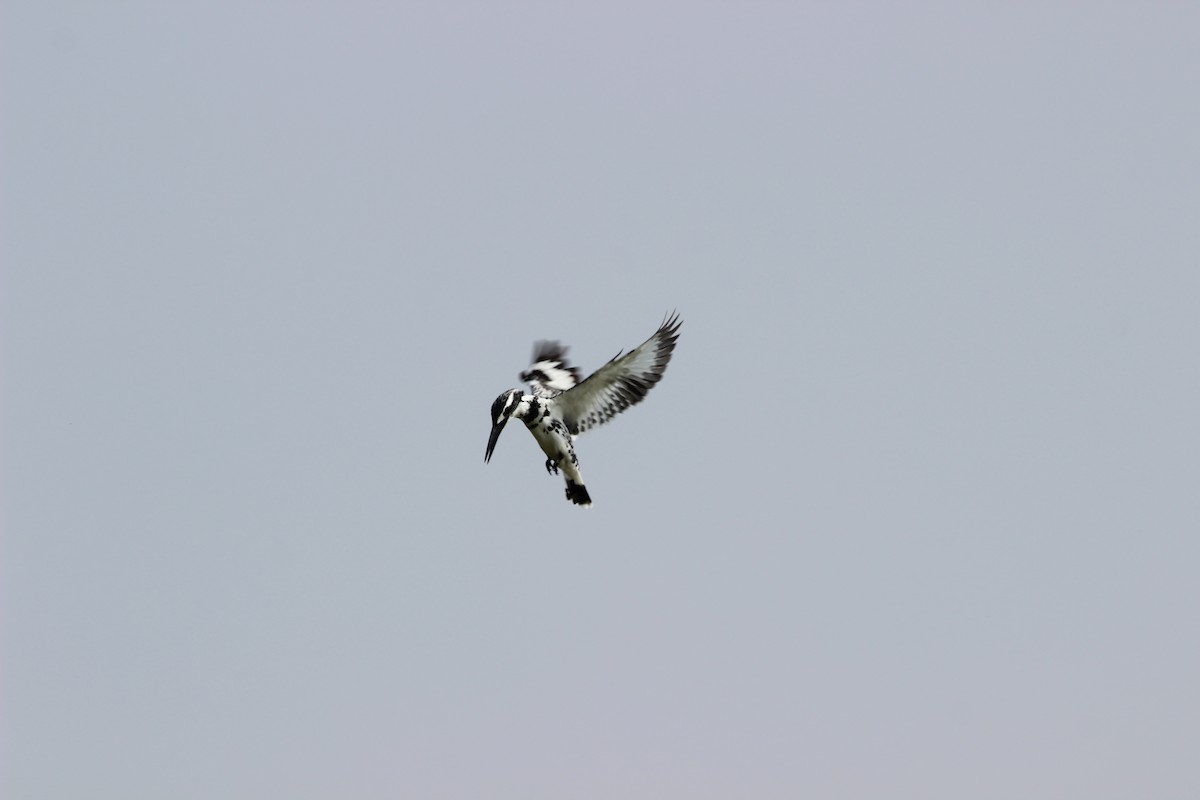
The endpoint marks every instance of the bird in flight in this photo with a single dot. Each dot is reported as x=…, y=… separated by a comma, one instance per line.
x=560, y=406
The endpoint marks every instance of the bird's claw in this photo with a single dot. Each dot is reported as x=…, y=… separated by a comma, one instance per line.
x=551, y=467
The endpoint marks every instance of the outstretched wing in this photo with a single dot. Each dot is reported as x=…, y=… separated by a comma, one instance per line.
x=620, y=383
x=550, y=374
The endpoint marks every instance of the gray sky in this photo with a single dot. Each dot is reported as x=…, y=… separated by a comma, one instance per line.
x=912, y=515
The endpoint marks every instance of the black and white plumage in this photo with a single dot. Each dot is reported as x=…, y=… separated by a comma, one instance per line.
x=549, y=373
x=560, y=406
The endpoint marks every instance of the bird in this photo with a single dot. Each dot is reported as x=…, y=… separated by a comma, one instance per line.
x=559, y=406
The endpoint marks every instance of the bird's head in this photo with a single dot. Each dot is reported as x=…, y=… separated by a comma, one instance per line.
x=502, y=411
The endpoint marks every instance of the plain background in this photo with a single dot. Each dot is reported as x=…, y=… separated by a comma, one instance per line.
x=912, y=515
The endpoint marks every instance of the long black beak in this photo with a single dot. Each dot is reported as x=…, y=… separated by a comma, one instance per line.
x=492, y=440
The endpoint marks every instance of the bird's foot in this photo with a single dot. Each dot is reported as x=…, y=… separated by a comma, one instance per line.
x=551, y=466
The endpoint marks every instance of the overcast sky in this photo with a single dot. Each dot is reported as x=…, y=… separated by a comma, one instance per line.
x=913, y=513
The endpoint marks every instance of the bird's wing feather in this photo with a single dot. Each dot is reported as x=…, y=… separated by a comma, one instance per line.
x=621, y=383
x=550, y=374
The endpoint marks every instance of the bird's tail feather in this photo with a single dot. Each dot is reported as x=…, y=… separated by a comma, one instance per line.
x=577, y=493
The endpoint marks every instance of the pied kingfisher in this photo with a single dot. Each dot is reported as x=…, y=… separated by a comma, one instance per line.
x=561, y=407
